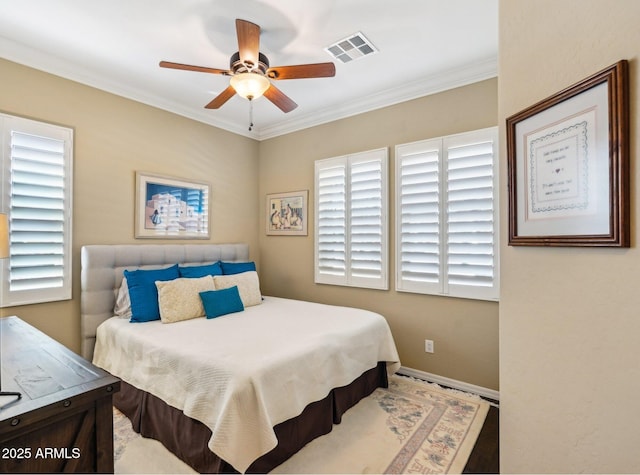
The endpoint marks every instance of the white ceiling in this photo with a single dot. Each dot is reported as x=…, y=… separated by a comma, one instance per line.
x=425, y=46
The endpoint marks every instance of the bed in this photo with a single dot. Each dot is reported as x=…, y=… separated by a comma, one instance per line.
x=238, y=393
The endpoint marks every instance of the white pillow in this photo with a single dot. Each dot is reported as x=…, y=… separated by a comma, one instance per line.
x=248, y=286
x=122, y=307
x=179, y=299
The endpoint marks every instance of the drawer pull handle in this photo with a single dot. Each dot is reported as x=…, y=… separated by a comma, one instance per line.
x=15, y=421
x=67, y=403
x=109, y=389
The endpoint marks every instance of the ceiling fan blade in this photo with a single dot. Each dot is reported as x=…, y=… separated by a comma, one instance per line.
x=189, y=67
x=303, y=71
x=221, y=98
x=280, y=99
x=248, y=41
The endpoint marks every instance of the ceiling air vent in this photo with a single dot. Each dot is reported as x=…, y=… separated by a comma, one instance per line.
x=352, y=47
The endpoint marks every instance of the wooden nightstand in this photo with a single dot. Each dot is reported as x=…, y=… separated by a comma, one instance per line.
x=64, y=420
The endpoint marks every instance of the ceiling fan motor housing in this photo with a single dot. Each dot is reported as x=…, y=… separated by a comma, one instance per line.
x=238, y=66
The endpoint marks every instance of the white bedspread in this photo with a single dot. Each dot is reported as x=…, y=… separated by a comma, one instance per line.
x=243, y=373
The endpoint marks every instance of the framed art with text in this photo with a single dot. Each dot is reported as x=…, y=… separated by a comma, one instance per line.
x=568, y=165
x=287, y=213
x=171, y=208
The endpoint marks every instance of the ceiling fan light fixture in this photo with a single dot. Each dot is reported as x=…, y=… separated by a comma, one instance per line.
x=250, y=85
x=250, y=72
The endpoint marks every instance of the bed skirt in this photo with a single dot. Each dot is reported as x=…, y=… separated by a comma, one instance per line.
x=187, y=438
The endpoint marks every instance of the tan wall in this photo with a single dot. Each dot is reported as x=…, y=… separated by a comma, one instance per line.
x=569, y=321
x=465, y=331
x=114, y=137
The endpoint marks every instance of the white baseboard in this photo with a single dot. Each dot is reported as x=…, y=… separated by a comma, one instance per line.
x=451, y=383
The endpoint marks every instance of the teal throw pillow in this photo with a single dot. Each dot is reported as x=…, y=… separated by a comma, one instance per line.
x=143, y=292
x=230, y=268
x=221, y=302
x=193, y=272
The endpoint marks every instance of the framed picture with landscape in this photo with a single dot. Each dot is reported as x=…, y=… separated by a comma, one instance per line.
x=287, y=213
x=171, y=208
x=568, y=165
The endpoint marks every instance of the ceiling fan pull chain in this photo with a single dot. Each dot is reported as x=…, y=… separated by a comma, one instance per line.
x=250, y=115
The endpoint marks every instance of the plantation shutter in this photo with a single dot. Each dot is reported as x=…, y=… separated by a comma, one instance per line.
x=471, y=223
x=331, y=219
x=351, y=220
x=39, y=204
x=418, y=236
x=367, y=224
x=446, y=216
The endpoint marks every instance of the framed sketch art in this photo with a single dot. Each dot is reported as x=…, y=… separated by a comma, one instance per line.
x=287, y=213
x=568, y=165
x=171, y=208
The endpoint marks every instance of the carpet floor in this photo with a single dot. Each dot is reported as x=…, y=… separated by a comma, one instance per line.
x=410, y=427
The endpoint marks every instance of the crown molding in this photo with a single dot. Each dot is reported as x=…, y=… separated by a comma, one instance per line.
x=431, y=85
x=451, y=79
x=27, y=56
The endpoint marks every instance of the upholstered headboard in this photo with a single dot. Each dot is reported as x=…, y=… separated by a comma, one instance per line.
x=102, y=268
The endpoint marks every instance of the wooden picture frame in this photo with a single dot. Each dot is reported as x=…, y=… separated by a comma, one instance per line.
x=568, y=165
x=286, y=213
x=171, y=208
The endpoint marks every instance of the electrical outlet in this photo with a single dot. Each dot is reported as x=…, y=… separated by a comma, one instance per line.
x=428, y=346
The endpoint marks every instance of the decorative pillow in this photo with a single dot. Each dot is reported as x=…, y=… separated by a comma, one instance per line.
x=143, y=292
x=200, y=271
x=248, y=286
x=230, y=268
x=122, y=308
x=179, y=299
x=221, y=302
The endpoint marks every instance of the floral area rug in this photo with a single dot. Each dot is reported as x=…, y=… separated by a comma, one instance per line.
x=410, y=427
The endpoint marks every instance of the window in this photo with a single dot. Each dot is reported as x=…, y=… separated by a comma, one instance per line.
x=446, y=216
x=351, y=220
x=36, y=193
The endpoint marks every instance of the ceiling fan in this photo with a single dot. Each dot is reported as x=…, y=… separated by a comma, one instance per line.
x=250, y=72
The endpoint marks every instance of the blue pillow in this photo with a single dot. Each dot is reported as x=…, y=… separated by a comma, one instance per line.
x=221, y=302
x=143, y=292
x=193, y=272
x=229, y=268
